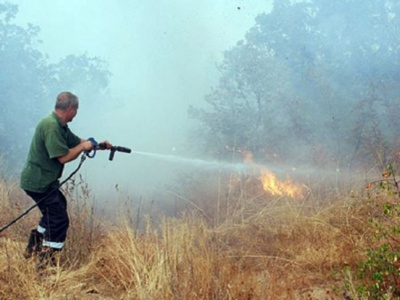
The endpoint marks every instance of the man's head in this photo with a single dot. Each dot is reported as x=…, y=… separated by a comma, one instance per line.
x=67, y=105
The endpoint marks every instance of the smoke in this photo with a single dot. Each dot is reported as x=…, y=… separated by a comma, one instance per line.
x=162, y=56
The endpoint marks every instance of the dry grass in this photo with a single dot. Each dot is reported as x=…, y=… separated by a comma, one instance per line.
x=258, y=247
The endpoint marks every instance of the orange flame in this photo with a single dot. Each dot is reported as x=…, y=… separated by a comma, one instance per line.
x=280, y=188
x=271, y=184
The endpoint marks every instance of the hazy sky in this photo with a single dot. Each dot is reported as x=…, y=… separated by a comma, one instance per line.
x=162, y=55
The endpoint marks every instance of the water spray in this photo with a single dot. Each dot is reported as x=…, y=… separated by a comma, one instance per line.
x=283, y=170
x=211, y=164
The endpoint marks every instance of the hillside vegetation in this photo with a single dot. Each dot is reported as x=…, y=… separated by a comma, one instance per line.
x=267, y=247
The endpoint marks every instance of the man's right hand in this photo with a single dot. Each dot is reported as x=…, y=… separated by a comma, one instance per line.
x=74, y=152
x=87, y=145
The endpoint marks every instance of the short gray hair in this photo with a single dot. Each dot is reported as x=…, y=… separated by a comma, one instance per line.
x=65, y=100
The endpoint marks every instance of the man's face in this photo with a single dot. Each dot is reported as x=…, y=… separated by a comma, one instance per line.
x=71, y=112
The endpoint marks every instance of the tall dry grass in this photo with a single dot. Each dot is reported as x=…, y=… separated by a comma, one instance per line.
x=239, y=244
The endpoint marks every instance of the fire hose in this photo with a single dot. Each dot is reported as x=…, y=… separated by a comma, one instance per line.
x=87, y=153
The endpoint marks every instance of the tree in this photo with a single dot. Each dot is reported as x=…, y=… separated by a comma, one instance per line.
x=311, y=75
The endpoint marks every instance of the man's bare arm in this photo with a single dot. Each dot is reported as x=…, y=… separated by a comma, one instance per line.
x=74, y=152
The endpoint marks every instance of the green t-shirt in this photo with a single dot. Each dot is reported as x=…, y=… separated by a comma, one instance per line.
x=42, y=169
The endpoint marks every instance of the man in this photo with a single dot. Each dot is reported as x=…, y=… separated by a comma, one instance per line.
x=52, y=146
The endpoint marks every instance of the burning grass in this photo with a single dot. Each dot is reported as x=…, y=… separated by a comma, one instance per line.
x=258, y=247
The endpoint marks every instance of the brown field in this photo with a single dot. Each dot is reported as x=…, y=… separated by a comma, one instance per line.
x=238, y=244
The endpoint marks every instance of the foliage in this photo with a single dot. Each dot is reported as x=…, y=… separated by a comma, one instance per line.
x=379, y=272
x=320, y=75
x=30, y=83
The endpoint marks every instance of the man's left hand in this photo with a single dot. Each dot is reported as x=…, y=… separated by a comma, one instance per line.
x=104, y=145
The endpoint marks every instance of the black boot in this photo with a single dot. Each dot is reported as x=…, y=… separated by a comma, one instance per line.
x=47, y=258
x=34, y=244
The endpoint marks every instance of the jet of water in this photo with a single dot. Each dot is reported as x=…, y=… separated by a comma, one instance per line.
x=210, y=164
x=302, y=170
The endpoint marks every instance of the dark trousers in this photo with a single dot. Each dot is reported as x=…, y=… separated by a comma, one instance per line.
x=54, y=223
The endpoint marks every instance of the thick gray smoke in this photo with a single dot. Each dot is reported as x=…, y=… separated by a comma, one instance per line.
x=162, y=56
x=303, y=86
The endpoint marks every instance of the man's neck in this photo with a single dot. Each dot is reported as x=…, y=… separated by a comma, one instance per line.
x=61, y=114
